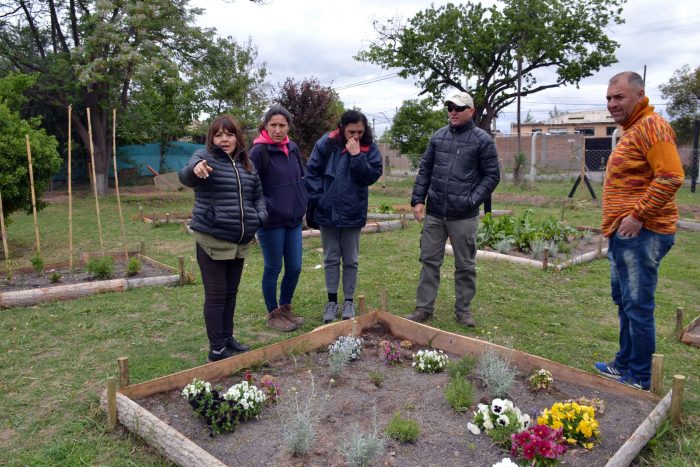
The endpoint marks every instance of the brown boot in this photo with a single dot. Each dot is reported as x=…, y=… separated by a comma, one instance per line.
x=276, y=320
x=465, y=318
x=289, y=314
x=420, y=315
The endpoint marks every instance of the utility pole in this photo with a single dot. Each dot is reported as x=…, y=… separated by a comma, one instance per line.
x=695, y=164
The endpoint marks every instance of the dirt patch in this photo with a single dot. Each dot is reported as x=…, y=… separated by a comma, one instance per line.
x=31, y=280
x=444, y=439
x=689, y=211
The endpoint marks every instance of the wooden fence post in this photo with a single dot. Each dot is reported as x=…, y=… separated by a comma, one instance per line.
x=112, y=403
x=384, y=300
x=362, y=305
x=677, y=399
x=181, y=268
x=123, y=363
x=679, y=323
x=657, y=373
x=142, y=247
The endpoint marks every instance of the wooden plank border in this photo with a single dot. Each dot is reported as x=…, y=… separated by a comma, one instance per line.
x=28, y=297
x=689, y=335
x=183, y=451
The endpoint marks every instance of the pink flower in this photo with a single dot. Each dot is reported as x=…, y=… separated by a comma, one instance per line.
x=529, y=451
x=542, y=431
x=521, y=438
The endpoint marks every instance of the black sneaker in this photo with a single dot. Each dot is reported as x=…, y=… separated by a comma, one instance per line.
x=233, y=344
x=216, y=355
x=630, y=380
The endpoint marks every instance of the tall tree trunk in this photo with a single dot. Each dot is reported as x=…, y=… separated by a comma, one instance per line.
x=100, y=143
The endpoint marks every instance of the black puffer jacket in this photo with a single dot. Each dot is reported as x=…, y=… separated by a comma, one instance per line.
x=457, y=173
x=229, y=204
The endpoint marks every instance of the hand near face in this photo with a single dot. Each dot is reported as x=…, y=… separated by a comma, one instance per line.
x=353, y=146
x=202, y=169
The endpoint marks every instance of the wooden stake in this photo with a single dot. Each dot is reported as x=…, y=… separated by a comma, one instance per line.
x=545, y=259
x=679, y=323
x=181, y=267
x=123, y=363
x=361, y=304
x=94, y=183
x=677, y=399
x=112, y=403
x=116, y=182
x=167, y=218
x=31, y=184
x=3, y=232
x=599, y=251
x=142, y=247
x=70, y=188
x=140, y=212
x=657, y=373
x=384, y=300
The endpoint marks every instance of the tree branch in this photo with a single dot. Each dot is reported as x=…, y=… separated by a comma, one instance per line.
x=33, y=29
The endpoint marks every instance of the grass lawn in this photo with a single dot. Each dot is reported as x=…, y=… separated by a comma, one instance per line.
x=56, y=358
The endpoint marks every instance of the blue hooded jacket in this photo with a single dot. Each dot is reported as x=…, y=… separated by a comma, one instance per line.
x=337, y=182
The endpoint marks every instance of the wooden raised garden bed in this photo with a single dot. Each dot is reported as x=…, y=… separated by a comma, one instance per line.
x=691, y=333
x=641, y=410
x=153, y=273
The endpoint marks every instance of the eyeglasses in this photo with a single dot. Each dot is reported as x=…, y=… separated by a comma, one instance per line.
x=454, y=108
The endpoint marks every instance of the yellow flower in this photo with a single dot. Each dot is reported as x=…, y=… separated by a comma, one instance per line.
x=588, y=445
x=571, y=441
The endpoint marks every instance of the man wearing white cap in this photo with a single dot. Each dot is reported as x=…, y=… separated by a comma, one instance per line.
x=457, y=173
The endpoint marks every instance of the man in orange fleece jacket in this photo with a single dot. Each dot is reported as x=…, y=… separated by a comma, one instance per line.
x=639, y=219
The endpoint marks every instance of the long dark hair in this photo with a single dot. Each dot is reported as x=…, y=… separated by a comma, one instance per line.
x=354, y=116
x=230, y=124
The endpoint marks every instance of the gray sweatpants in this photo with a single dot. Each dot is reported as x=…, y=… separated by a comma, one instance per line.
x=341, y=244
x=462, y=234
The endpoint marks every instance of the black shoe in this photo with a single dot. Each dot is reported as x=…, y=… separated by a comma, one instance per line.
x=216, y=355
x=233, y=344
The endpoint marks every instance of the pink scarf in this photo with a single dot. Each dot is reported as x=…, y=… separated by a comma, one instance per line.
x=265, y=139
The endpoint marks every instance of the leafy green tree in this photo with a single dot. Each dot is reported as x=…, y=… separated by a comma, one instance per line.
x=14, y=168
x=229, y=80
x=444, y=46
x=683, y=94
x=412, y=127
x=90, y=52
x=161, y=107
x=316, y=110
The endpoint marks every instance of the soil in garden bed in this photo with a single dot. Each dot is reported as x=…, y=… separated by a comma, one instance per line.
x=444, y=439
x=31, y=280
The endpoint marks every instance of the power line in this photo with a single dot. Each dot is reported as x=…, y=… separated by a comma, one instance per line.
x=365, y=82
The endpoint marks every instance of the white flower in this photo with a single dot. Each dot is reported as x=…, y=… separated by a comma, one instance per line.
x=488, y=424
x=473, y=428
x=497, y=406
x=507, y=404
x=525, y=421
x=483, y=408
x=503, y=420
x=505, y=462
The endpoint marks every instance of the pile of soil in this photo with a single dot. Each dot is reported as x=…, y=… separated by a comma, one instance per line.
x=31, y=280
x=353, y=399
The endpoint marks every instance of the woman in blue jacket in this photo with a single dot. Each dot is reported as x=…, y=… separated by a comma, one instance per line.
x=229, y=207
x=342, y=165
x=279, y=163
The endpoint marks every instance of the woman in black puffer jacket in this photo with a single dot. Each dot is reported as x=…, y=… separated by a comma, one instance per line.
x=229, y=208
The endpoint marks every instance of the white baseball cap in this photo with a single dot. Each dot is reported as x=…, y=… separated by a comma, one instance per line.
x=461, y=99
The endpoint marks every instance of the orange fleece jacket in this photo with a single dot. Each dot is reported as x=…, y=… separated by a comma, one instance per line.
x=643, y=174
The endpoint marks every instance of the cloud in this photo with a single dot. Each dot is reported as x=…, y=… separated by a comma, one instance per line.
x=304, y=38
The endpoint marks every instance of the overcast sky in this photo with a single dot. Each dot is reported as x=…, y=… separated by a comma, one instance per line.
x=305, y=38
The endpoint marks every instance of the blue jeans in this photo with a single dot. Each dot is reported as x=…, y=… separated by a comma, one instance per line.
x=278, y=245
x=634, y=266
